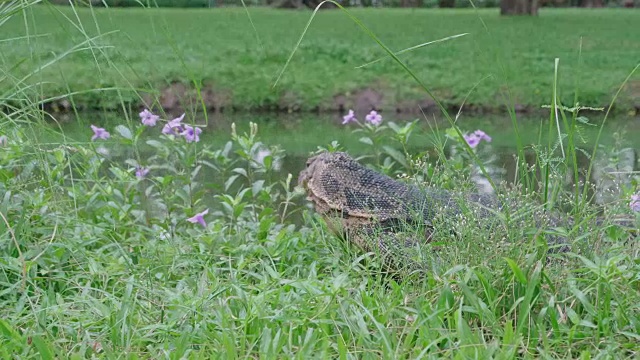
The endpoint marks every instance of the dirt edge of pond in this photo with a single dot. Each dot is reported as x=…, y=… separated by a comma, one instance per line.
x=177, y=97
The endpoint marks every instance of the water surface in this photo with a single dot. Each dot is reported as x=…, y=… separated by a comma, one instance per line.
x=301, y=134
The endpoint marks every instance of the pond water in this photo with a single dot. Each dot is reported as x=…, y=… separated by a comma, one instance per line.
x=300, y=134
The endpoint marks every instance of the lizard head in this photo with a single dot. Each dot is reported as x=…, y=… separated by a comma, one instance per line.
x=323, y=180
x=321, y=168
x=314, y=168
x=335, y=182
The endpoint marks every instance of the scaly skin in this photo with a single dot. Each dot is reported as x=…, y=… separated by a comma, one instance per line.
x=373, y=210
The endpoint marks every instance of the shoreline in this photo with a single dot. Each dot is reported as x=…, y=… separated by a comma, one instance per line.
x=172, y=99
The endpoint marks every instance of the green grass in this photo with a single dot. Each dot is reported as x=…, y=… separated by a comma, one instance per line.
x=95, y=262
x=150, y=48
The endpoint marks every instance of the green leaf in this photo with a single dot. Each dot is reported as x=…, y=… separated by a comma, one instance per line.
x=240, y=171
x=155, y=143
x=394, y=127
x=9, y=333
x=519, y=275
x=583, y=300
x=257, y=187
x=59, y=154
x=366, y=140
x=396, y=155
x=124, y=132
x=43, y=348
x=267, y=161
x=230, y=181
x=227, y=149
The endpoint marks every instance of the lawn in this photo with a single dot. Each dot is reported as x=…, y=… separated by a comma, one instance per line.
x=144, y=244
x=147, y=49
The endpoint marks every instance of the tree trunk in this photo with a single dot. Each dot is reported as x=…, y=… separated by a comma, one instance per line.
x=410, y=3
x=519, y=7
x=446, y=3
x=286, y=4
x=591, y=3
x=312, y=4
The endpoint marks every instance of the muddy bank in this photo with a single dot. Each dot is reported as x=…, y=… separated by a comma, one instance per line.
x=177, y=97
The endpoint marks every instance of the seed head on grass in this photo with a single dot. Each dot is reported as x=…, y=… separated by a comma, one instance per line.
x=373, y=118
x=99, y=133
x=635, y=202
x=350, y=117
x=199, y=218
x=148, y=118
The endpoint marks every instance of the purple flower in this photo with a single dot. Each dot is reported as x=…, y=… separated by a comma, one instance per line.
x=349, y=117
x=141, y=172
x=199, y=218
x=482, y=135
x=4, y=141
x=635, y=202
x=373, y=118
x=99, y=133
x=174, y=126
x=191, y=134
x=148, y=118
x=473, y=140
x=476, y=137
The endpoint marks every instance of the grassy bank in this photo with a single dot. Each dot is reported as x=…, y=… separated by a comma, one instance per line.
x=99, y=261
x=148, y=49
x=140, y=239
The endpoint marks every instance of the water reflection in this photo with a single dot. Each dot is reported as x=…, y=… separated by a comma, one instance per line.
x=300, y=134
x=612, y=173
